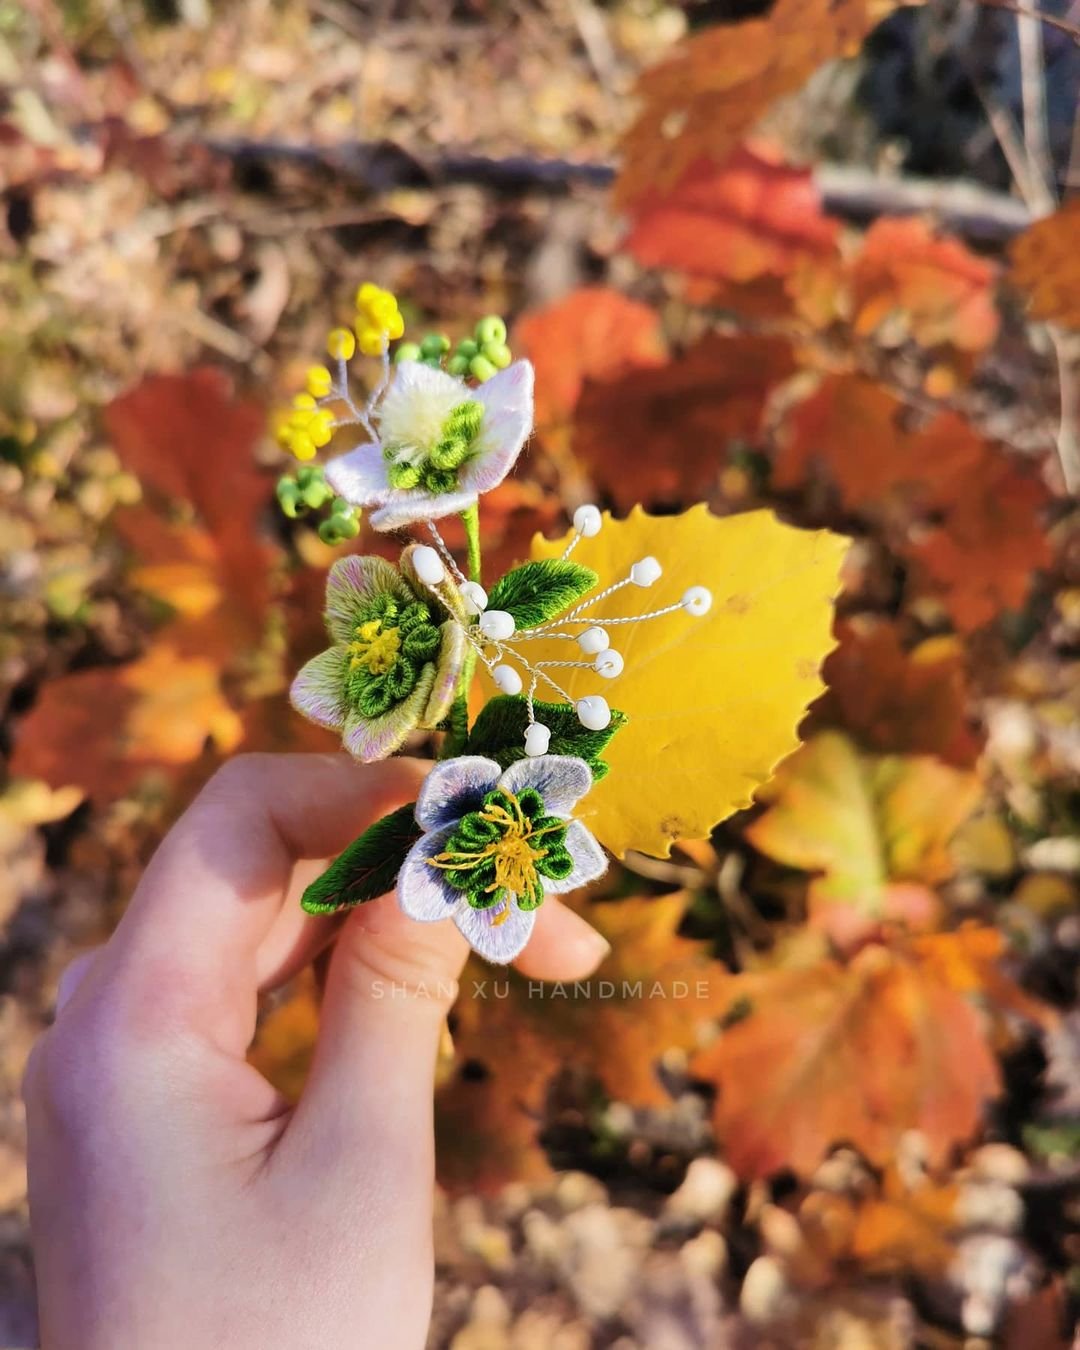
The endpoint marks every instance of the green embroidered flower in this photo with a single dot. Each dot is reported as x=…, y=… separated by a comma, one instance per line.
x=394, y=663
x=436, y=471
x=504, y=848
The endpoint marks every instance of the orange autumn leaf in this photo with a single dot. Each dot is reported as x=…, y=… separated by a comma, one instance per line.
x=749, y=217
x=859, y=1054
x=700, y=102
x=191, y=440
x=893, y=1229
x=595, y=333
x=1046, y=266
x=105, y=728
x=511, y=1035
x=982, y=559
x=909, y=283
x=663, y=435
x=215, y=588
x=893, y=700
x=859, y=431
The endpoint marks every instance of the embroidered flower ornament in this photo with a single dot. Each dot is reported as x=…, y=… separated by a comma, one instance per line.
x=439, y=444
x=499, y=823
x=495, y=843
x=395, y=661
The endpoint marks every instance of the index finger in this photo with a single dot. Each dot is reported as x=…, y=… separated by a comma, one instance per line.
x=211, y=894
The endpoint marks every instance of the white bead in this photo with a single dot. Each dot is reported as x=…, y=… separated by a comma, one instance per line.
x=697, y=601
x=537, y=739
x=497, y=624
x=475, y=597
x=645, y=572
x=593, y=712
x=428, y=565
x=593, y=640
x=609, y=664
x=507, y=678
x=587, y=521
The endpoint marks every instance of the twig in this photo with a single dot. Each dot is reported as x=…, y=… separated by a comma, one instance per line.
x=1033, y=95
x=1051, y=20
x=659, y=869
x=1042, y=199
x=375, y=166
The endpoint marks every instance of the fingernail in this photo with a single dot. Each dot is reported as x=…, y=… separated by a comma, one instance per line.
x=594, y=947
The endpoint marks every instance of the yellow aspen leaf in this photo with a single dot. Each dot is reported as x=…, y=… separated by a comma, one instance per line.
x=713, y=702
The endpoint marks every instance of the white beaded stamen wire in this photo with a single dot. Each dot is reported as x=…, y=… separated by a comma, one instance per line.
x=495, y=633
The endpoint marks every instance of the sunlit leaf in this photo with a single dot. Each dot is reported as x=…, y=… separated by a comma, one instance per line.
x=871, y=826
x=858, y=1054
x=713, y=702
x=748, y=217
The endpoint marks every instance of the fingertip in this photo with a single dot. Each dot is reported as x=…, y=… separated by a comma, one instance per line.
x=563, y=946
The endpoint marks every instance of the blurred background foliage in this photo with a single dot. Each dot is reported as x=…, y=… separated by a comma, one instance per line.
x=817, y=256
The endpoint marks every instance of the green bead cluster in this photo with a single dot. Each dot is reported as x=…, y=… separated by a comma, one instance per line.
x=480, y=356
x=429, y=352
x=308, y=490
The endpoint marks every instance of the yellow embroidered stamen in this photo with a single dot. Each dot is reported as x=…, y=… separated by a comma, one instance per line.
x=375, y=648
x=514, y=854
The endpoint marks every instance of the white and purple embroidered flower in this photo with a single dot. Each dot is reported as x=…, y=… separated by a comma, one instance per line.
x=440, y=444
x=495, y=843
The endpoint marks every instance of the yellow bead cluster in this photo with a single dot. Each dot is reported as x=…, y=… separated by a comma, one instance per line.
x=305, y=427
x=378, y=319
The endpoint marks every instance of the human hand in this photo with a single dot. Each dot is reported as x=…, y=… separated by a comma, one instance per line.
x=176, y=1199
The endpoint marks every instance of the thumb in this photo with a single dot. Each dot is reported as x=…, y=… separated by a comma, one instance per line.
x=390, y=985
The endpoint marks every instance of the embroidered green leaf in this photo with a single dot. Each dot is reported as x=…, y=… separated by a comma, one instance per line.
x=369, y=866
x=499, y=732
x=537, y=591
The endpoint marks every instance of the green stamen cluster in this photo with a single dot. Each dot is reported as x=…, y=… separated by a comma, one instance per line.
x=373, y=688
x=485, y=353
x=439, y=471
x=504, y=848
x=480, y=356
x=429, y=352
x=308, y=490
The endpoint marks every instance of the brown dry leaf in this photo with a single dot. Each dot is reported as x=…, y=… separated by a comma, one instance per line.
x=1046, y=266
x=701, y=102
x=856, y=428
x=663, y=435
x=983, y=557
x=895, y=700
x=749, y=217
x=595, y=333
x=102, y=729
x=908, y=283
x=512, y=1034
x=858, y=1054
x=876, y=829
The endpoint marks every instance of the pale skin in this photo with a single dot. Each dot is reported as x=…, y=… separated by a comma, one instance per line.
x=176, y=1200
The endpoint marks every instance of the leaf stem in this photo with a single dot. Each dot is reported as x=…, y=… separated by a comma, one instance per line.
x=470, y=518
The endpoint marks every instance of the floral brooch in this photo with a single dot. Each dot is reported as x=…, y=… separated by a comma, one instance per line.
x=504, y=818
